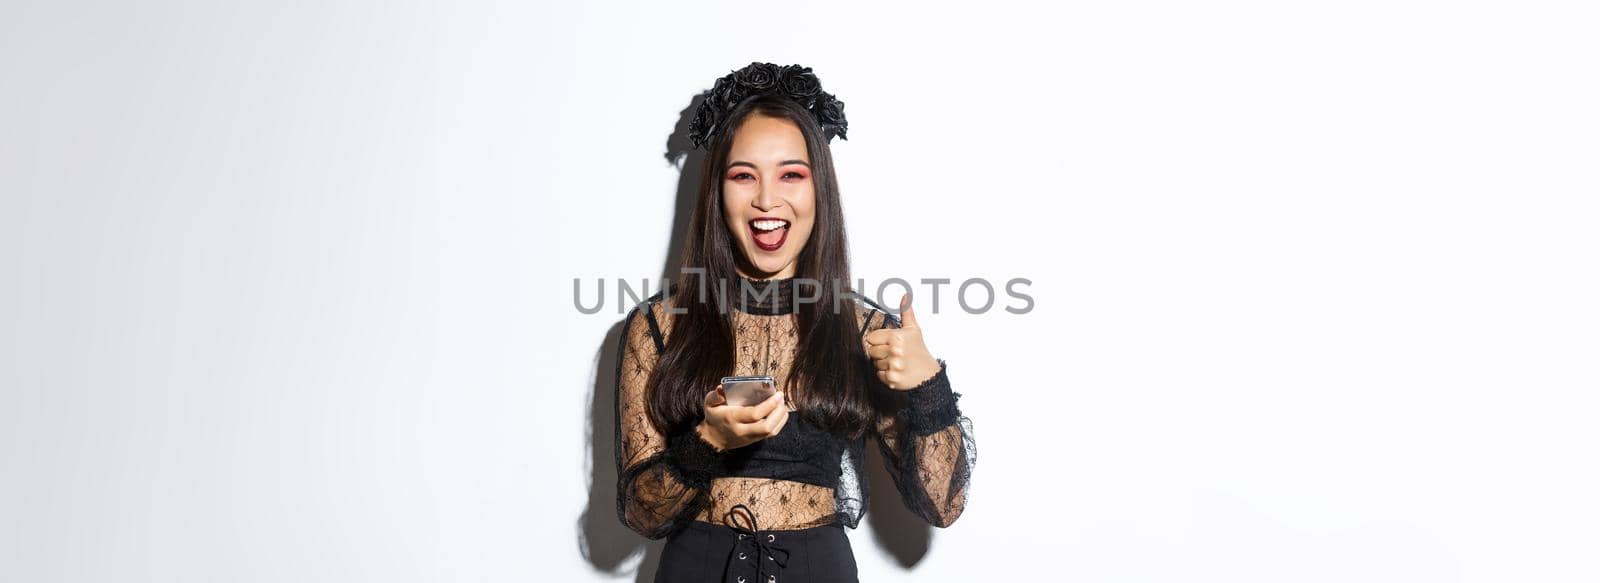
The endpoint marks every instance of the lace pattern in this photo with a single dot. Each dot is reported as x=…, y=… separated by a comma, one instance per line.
x=664, y=481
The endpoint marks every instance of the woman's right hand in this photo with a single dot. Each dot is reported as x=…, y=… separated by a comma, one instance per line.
x=732, y=427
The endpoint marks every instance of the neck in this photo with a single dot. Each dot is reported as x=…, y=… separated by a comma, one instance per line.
x=788, y=272
x=771, y=296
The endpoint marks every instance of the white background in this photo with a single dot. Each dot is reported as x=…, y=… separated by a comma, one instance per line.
x=287, y=286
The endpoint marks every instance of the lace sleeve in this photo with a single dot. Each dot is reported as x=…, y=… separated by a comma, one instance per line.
x=927, y=444
x=661, y=479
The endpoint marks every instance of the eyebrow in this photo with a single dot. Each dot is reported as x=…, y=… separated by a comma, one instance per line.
x=783, y=163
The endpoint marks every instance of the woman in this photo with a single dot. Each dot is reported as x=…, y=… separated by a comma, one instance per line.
x=762, y=493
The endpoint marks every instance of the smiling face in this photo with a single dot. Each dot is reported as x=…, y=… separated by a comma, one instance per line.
x=768, y=199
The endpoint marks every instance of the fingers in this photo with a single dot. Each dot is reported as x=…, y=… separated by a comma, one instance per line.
x=887, y=357
x=885, y=351
x=775, y=422
x=756, y=413
x=748, y=424
x=879, y=336
x=766, y=407
x=769, y=418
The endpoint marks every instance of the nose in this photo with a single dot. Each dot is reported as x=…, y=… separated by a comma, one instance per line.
x=766, y=199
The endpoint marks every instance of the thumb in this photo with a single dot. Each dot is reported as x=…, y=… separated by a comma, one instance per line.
x=908, y=319
x=715, y=397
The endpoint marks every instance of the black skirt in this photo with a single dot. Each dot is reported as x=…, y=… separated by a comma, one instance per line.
x=702, y=552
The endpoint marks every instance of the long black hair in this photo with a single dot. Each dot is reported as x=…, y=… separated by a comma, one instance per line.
x=831, y=369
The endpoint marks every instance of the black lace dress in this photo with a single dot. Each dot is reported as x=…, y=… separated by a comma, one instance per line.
x=728, y=513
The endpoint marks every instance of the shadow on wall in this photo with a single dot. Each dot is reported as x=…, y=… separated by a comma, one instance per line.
x=602, y=539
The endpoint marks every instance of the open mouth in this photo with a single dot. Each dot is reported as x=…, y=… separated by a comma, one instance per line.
x=768, y=233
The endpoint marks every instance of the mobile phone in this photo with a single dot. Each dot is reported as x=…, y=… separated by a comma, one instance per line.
x=745, y=391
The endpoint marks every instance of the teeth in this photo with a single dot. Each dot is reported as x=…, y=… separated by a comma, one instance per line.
x=768, y=225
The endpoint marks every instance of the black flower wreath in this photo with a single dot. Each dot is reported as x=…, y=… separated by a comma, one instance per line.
x=792, y=81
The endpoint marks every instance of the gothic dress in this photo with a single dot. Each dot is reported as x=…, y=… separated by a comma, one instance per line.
x=775, y=510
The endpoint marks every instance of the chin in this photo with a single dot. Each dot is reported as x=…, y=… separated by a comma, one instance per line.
x=769, y=269
x=766, y=267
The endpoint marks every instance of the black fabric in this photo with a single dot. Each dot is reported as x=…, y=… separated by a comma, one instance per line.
x=803, y=477
x=933, y=405
x=799, y=453
x=694, y=460
x=702, y=552
x=770, y=297
x=802, y=452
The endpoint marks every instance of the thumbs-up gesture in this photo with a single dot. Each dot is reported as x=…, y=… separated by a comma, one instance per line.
x=902, y=360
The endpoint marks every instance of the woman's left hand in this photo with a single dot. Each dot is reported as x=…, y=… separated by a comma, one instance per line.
x=902, y=360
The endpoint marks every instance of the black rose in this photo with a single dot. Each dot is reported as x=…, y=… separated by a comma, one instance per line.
x=727, y=93
x=704, y=122
x=792, y=82
x=830, y=112
x=799, y=82
x=807, y=101
x=757, y=76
